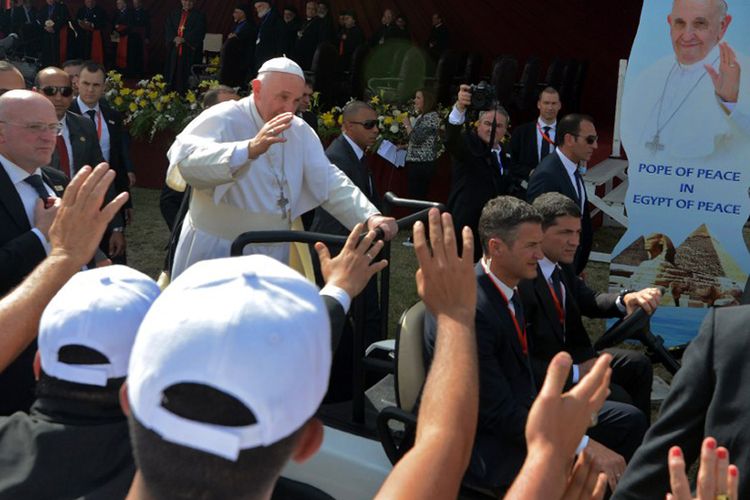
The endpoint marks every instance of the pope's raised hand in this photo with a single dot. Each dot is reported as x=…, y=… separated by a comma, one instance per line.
x=727, y=79
x=269, y=135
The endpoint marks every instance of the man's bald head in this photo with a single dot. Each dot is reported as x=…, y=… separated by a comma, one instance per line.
x=54, y=83
x=28, y=129
x=696, y=27
x=10, y=77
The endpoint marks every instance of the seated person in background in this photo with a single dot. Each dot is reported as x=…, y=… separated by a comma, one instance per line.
x=511, y=235
x=74, y=441
x=556, y=299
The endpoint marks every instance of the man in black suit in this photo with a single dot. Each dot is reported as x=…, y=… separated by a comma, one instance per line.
x=91, y=21
x=347, y=152
x=141, y=38
x=269, y=42
x=308, y=36
x=77, y=144
x=576, y=141
x=183, y=34
x=480, y=165
x=109, y=129
x=531, y=142
x=27, y=139
x=511, y=235
x=708, y=398
x=556, y=298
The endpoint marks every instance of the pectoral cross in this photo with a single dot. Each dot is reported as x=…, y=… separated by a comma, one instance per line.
x=654, y=145
x=282, y=204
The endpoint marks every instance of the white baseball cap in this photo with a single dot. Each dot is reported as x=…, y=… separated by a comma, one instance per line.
x=100, y=309
x=282, y=65
x=249, y=327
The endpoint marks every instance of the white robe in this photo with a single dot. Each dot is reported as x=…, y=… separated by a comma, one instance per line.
x=210, y=154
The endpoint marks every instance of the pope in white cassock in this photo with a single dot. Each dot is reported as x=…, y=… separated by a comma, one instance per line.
x=253, y=165
x=691, y=110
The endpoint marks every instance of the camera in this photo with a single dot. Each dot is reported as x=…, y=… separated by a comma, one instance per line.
x=483, y=96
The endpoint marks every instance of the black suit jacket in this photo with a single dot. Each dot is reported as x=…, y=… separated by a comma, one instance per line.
x=543, y=325
x=523, y=150
x=476, y=179
x=308, y=38
x=117, y=131
x=341, y=154
x=20, y=252
x=708, y=397
x=237, y=56
x=506, y=389
x=550, y=176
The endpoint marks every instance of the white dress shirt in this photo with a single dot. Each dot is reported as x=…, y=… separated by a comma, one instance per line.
x=104, y=140
x=540, y=140
x=571, y=168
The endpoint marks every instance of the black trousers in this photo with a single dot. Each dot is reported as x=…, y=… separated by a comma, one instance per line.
x=632, y=377
x=419, y=175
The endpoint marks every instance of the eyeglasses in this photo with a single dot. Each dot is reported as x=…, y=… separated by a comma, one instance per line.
x=368, y=124
x=51, y=90
x=590, y=139
x=38, y=128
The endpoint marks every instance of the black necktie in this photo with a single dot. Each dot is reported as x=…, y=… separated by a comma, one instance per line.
x=35, y=181
x=545, y=143
x=92, y=115
x=579, y=186
x=557, y=286
x=518, y=310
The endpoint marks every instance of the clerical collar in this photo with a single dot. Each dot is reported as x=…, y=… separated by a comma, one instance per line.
x=507, y=290
x=547, y=267
x=710, y=59
x=567, y=162
x=541, y=123
x=357, y=150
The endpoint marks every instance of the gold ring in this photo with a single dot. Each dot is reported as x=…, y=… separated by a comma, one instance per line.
x=723, y=496
x=731, y=66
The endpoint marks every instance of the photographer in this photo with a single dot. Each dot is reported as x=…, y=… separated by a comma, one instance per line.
x=480, y=161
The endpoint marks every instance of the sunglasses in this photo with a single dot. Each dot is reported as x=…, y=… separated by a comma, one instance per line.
x=368, y=124
x=590, y=139
x=51, y=90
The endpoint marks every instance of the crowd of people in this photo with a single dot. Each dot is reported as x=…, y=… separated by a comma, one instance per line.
x=208, y=388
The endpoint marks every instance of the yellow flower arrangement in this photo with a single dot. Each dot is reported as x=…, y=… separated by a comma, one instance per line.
x=149, y=108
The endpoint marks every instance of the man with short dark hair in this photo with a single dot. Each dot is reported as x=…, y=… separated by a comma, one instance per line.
x=576, y=141
x=110, y=131
x=73, y=68
x=531, y=142
x=74, y=441
x=511, y=235
x=556, y=299
x=439, y=39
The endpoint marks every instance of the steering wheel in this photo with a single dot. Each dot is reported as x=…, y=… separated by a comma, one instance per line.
x=626, y=328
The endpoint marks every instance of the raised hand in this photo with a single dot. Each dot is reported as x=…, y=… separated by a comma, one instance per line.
x=727, y=79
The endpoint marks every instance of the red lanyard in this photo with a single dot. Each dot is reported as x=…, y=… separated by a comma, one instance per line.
x=521, y=332
x=545, y=136
x=558, y=305
x=99, y=125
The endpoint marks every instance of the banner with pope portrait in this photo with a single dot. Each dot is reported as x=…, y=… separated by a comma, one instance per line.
x=685, y=127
